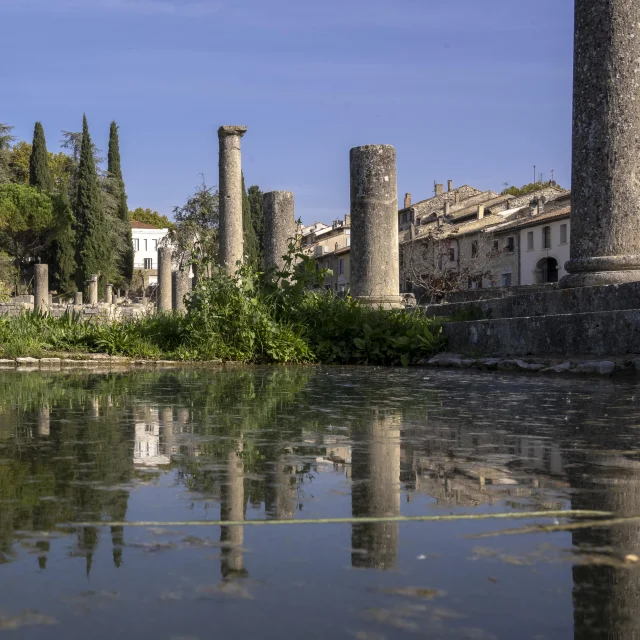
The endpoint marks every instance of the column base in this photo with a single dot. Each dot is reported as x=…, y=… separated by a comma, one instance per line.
x=384, y=302
x=601, y=270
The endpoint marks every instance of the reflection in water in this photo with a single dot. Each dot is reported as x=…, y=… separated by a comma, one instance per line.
x=375, y=492
x=280, y=485
x=232, y=506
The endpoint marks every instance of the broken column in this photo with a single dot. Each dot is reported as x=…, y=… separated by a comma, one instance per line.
x=181, y=286
x=375, y=267
x=605, y=224
x=77, y=299
x=279, y=227
x=108, y=297
x=230, y=185
x=93, y=289
x=41, y=288
x=163, y=300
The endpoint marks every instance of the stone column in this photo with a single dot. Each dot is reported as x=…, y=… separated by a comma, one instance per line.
x=375, y=264
x=232, y=508
x=181, y=285
x=279, y=227
x=77, y=299
x=108, y=297
x=163, y=297
x=41, y=288
x=605, y=218
x=230, y=184
x=93, y=289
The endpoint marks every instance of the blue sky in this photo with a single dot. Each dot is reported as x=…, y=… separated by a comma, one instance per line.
x=477, y=91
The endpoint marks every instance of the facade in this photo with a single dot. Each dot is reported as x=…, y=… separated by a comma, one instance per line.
x=145, y=245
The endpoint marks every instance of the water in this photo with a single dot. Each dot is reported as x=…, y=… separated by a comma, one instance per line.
x=287, y=443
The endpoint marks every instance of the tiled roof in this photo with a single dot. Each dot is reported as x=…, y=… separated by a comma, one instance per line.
x=142, y=225
x=532, y=221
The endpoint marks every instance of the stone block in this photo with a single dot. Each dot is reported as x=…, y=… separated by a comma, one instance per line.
x=27, y=361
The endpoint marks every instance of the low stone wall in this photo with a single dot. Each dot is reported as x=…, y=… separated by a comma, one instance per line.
x=473, y=295
x=97, y=312
x=602, y=333
x=542, y=302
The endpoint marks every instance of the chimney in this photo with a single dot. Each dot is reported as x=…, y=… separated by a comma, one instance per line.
x=450, y=185
x=407, y=200
x=447, y=208
x=439, y=189
x=456, y=197
x=480, y=211
x=347, y=220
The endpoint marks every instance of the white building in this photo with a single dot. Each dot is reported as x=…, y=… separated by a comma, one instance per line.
x=544, y=247
x=145, y=244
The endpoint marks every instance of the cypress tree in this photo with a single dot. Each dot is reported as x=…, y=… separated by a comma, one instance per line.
x=250, y=241
x=64, y=251
x=257, y=219
x=39, y=169
x=93, y=252
x=114, y=172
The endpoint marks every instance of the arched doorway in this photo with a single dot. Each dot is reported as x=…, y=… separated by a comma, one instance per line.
x=547, y=270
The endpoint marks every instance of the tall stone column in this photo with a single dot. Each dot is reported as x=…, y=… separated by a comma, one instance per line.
x=181, y=287
x=108, y=296
x=375, y=263
x=41, y=288
x=230, y=185
x=77, y=299
x=279, y=227
x=93, y=289
x=605, y=217
x=163, y=299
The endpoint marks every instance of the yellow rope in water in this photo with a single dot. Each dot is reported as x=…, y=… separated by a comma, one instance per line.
x=253, y=523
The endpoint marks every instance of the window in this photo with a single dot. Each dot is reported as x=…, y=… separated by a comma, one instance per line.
x=496, y=246
x=155, y=245
x=452, y=254
x=404, y=217
x=563, y=234
x=505, y=280
x=348, y=242
x=148, y=263
x=136, y=244
x=146, y=242
x=474, y=249
x=546, y=237
x=341, y=267
x=529, y=240
x=510, y=245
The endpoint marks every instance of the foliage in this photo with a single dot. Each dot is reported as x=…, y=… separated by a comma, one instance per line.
x=26, y=220
x=257, y=220
x=528, y=188
x=19, y=158
x=6, y=140
x=194, y=237
x=251, y=249
x=39, y=169
x=147, y=216
x=114, y=172
x=94, y=251
x=64, y=246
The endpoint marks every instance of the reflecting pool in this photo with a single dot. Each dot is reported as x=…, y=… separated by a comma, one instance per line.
x=82, y=454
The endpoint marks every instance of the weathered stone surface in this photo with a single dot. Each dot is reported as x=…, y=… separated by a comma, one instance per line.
x=108, y=296
x=163, y=300
x=49, y=362
x=539, y=302
x=608, y=333
x=230, y=185
x=605, y=367
x=181, y=287
x=279, y=227
x=41, y=288
x=27, y=361
x=7, y=364
x=77, y=298
x=93, y=289
x=605, y=224
x=375, y=268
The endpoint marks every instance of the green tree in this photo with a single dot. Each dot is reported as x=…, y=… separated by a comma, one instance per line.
x=114, y=173
x=94, y=251
x=251, y=250
x=528, y=188
x=64, y=245
x=6, y=140
x=19, y=157
x=26, y=223
x=39, y=168
x=257, y=219
x=148, y=216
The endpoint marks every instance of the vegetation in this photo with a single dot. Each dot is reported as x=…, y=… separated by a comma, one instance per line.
x=39, y=170
x=528, y=188
x=251, y=249
x=257, y=220
x=150, y=217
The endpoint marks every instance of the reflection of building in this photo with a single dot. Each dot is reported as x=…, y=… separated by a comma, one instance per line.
x=375, y=460
x=148, y=450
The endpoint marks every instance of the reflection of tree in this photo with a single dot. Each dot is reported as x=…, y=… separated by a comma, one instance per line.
x=376, y=492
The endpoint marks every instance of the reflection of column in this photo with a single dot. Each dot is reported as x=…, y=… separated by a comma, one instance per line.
x=375, y=463
x=280, y=491
x=606, y=599
x=44, y=421
x=95, y=407
x=166, y=426
x=232, y=508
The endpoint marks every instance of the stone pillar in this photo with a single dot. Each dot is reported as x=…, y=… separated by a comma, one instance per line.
x=605, y=221
x=181, y=284
x=230, y=184
x=93, y=289
x=108, y=297
x=163, y=296
x=77, y=299
x=44, y=421
x=232, y=508
x=375, y=265
x=41, y=288
x=279, y=227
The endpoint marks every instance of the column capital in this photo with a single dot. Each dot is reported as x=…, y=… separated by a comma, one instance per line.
x=232, y=130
